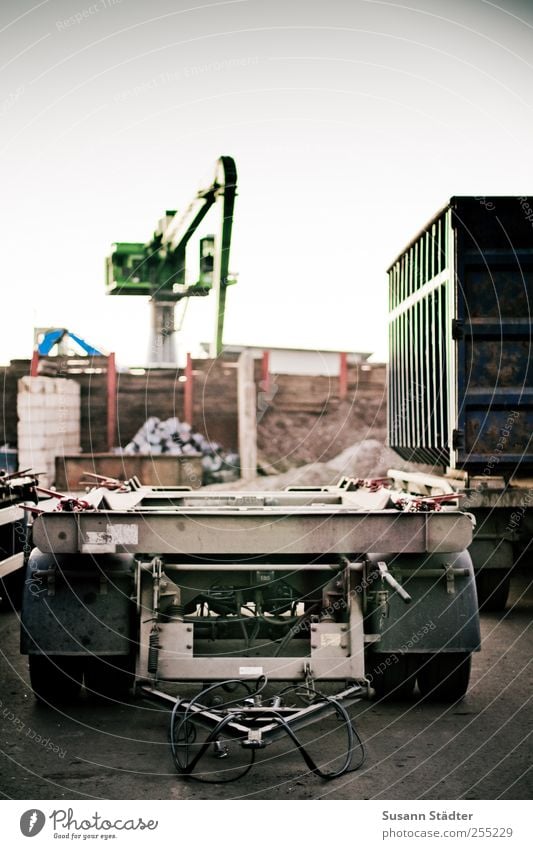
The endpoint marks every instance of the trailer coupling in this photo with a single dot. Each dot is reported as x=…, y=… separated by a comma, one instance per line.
x=213, y=724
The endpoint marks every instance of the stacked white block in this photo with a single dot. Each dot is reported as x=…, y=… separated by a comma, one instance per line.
x=48, y=423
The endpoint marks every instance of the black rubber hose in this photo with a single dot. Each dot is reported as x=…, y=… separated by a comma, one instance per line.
x=187, y=770
x=351, y=734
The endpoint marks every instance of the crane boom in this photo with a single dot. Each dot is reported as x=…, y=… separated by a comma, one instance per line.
x=158, y=268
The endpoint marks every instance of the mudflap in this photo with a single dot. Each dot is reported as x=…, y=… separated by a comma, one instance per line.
x=442, y=615
x=77, y=604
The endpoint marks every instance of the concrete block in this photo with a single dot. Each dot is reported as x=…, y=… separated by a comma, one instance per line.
x=62, y=402
x=24, y=402
x=66, y=419
x=58, y=447
x=32, y=385
x=28, y=405
x=70, y=448
x=68, y=388
x=71, y=438
x=47, y=401
x=27, y=429
x=50, y=426
x=38, y=460
x=33, y=442
x=26, y=439
x=33, y=414
x=47, y=443
x=67, y=402
x=30, y=433
x=50, y=401
x=48, y=386
x=64, y=423
x=68, y=426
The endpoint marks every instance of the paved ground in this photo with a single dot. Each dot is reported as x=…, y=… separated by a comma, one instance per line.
x=477, y=749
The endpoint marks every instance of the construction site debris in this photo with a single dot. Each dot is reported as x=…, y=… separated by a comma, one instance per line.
x=172, y=436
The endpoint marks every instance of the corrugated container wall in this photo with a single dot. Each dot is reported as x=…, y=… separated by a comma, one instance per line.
x=460, y=338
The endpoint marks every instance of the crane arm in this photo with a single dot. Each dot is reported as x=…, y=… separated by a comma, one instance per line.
x=158, y=267
x=224, y=185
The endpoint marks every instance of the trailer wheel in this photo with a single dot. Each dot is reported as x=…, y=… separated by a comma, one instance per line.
x=393, y=676
x=55, y=679
x=109, y=676
x=444, y=677
x=493, y=589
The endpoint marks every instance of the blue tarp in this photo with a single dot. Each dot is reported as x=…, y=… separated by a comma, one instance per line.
x=54, y=336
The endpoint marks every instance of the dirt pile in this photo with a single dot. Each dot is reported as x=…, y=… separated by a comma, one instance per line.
x=366, y=459
x=287, y=439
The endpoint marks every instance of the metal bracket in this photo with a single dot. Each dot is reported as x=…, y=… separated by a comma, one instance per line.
x=458, y=439
x=382, y=598
x=450, y=578
x=254, y=739
x=458, y=329
x=309, y=680
x=50, y=575
x=392, y=582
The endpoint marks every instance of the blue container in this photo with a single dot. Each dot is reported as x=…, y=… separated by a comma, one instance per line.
x=9, y=459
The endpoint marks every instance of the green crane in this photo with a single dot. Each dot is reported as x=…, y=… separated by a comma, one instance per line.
x=158, y=268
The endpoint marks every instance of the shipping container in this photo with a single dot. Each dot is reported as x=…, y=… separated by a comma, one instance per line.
x=460, y=339
x=460, y=375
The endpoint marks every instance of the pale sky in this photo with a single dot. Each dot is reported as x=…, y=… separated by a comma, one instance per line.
x=351, y=122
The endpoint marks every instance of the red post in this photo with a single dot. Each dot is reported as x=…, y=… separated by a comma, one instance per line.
x=265, y=372
x=343, y=376
x=188, y=392
x=34, y=363
x=111, y=401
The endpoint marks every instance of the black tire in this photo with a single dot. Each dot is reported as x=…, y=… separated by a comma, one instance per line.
x=55, y=679
x=109, y=677
x=444, y=677
x=493, y=589
x=393, y=676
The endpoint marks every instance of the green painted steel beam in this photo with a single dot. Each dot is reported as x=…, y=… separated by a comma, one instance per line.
x=158, y=267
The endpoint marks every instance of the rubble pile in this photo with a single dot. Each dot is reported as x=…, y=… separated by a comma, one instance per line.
x=172, y=436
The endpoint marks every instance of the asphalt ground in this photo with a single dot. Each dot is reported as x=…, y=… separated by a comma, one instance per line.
x=479, y=748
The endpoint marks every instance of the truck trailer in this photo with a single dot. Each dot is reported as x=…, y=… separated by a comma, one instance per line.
x=150, y=588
